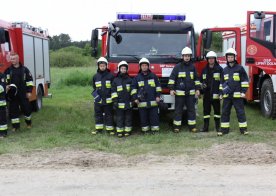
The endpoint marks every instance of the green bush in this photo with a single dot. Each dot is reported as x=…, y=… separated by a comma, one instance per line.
x=77, y=78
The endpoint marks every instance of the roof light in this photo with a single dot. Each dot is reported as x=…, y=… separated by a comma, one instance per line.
x=165, y=17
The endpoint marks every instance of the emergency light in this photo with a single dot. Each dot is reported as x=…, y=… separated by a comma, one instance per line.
x=167, y=17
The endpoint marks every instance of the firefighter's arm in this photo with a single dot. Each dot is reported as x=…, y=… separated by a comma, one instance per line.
x=158, y=87
x=29, y=80
x=7, y=78
x=114, y=94
x=172, y=78
x=134, y=89
x=221, y=82
x=197, y=83
x=93, y=83
x=244, y=81
x=2, y=86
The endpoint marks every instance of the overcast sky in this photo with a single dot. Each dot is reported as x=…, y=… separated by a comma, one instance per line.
x=78, y=18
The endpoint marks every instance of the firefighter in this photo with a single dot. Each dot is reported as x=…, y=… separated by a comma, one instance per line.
x=122, y=102
x=146, y=91
x=3, y=105
x=211, y=90
x=101, y=84
x=18, y=76
x=184, y=85
x=235, y=84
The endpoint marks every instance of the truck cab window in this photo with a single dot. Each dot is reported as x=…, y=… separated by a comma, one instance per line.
x=262, y=29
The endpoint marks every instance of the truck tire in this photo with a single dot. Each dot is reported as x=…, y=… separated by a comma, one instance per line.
x=37, y=104
x=268, y=99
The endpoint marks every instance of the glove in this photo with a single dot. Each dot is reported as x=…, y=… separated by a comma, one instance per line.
x=242, y=95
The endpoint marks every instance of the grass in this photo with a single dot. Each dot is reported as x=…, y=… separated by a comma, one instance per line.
x=67, y=119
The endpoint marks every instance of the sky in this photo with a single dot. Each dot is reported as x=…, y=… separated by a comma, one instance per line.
x=78, y=17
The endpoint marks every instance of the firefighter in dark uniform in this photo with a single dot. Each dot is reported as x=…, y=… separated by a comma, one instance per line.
x=211, y=90
x=122, y=100
x=101, y=84
x=184, y=85
x=146, y=91
x=19, y=76
x=3, y=105
x=235, y=85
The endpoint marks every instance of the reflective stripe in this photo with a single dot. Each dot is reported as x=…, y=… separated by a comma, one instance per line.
x=142, y=104
x=3, y=127
x=119, y=88
x=151, y=82
x=155, y=128
x=216, y=76
x=28, y=117
x=145, y=128
x=236, y=77
x=176, y=122
x=244, y=85
x=109, y=128
x=192, y=75
x=243, y=125
x=134, y=91
x=107, y=84
x=192, y=92
x=3, y=103
x=98, y=84
x=225, y=125
x=121, y=105
x=220, y=87
x=182, y=74
x=191, y=122
x=30, y=83
x=153, y=103
x=197, y=82
x=225, y=95
x=158, y=89
x=119, y=129
x=1, y=89
x=237, y=95
x=179, y=92
x=15, y=120
x=216, y=116
x=141, y=83
x=204, y=76
x=114, y=95
x=206, y=116
x=215, y=96
x=128, y=129
x=99, y=126
x=108, y=100
x=226, y=76
x=128, y=87
x=171, y=81
x=8, y=76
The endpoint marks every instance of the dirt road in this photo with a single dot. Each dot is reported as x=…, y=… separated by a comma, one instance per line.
x=226, y=169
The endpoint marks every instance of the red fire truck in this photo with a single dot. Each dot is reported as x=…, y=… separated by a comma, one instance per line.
x=160, y=38
x=32, y=45
x=255, y=44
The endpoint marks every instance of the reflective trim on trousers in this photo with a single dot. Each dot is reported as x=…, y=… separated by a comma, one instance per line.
x=224, y=125
x=99, y=126
x=15, y=120
x=3, y=127
x=243, y=125
x=177, y=123
x=145, y=128
x=191, y=122
x=155, y=128
x=109, y=128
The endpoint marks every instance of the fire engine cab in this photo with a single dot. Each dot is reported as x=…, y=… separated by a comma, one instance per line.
x=160, y=38
x=32, y=45
x=255, y=44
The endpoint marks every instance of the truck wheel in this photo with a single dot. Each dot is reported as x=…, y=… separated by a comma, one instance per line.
x=37, y=104
x=268, y=99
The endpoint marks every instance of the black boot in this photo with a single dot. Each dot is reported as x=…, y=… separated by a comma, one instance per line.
x=217, y=123
x=205, y=126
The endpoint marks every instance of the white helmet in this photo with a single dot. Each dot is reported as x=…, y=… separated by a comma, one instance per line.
x=211, y=54
x=231, y=51
x=102, y=60
x=186, y=50
x=122, y=63
x=144, y=60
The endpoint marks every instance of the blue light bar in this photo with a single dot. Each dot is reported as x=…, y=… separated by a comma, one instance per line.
x=165, y=17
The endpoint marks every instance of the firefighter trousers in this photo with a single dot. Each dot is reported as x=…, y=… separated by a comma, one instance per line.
x=17, y=105
x=3, y=121
x=208, y=102
x=123, y=121
x=226, y=110
x=103, y=116
x=149, y=119
x=180, y=102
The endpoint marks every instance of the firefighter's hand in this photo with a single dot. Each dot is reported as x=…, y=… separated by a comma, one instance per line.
x=7, y=88
x=220, y=97
x=197, y=93
x=136, y=101
x=28, y=95
x=172, y=92
x=242, y=95
x=157, y=99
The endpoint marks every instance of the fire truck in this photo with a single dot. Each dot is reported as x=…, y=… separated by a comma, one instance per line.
x=32, y=46
x=255, y=44
x=160, y=38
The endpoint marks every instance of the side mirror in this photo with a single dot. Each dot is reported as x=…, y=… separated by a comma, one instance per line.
x=94, y=42
x=2, y=36
x=259, y=15
x=207, y=40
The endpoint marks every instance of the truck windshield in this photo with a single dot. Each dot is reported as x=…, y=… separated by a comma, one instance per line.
x=159, y=45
